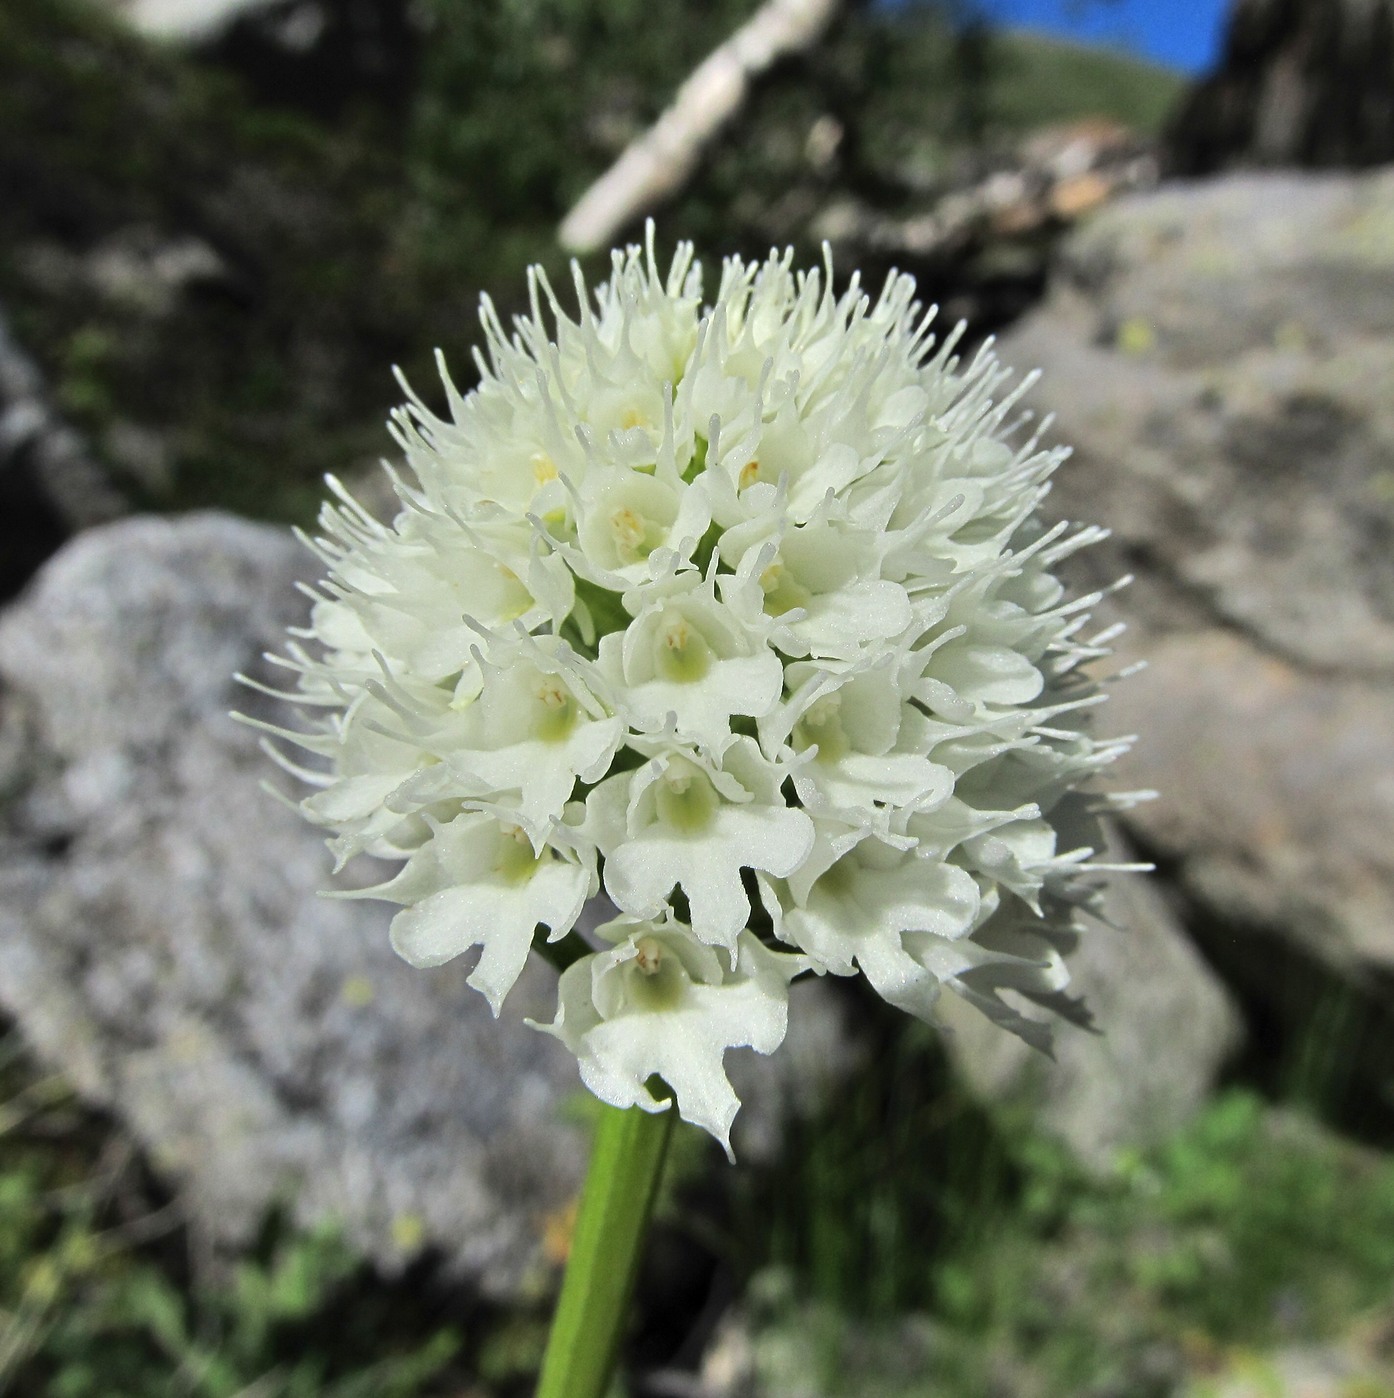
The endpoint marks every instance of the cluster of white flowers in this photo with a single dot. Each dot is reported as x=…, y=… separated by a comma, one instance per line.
x=743, y=611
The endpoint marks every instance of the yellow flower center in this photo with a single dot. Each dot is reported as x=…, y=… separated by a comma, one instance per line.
x=634, y=535
x=782, y=592
x=558, y=709
x=683, y=653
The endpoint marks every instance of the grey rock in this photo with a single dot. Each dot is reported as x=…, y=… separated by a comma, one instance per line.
x=1163, y=1027
x=1220, y=357
x=1278, y=794
x=161, y=941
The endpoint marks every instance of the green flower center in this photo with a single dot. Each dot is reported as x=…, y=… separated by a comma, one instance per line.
x=686, y=800
x=556, y=710
x=514, y=861
x=656, y=981
x=821, y=723
x=783, y=593
x=681, y=652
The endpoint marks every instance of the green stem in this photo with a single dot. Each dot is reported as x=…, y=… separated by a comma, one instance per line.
x=625, y=1167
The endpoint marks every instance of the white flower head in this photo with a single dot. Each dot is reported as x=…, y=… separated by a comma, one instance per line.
x=742, y=609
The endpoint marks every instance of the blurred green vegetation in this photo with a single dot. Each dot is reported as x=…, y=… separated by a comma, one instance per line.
x=904, y=1243
x=326, y=249
x=1037, y=80
x=98, y=1297
x=1254, y=1228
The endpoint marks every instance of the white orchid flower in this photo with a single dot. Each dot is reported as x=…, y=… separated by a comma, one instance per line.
x=713, y=599
x=872, y=907
x=687, y=654
x=661, y=1003
x=479, y=882
x=682, y=822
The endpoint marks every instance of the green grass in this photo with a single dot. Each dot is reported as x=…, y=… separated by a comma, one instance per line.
x=98, y=1298
x=902, y=1233
x=1039, y=80
x=1253, y=1228
x=1250, y=1231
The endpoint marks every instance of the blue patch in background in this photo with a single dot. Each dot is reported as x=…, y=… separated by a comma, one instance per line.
x=1182, y=34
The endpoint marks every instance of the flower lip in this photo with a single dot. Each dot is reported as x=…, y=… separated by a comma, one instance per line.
x=658, y=1002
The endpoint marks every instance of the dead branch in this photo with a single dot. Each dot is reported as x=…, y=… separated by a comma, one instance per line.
x=1051, y=181
x=660, y=161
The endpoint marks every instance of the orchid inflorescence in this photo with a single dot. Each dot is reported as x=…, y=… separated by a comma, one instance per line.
x=743, y=612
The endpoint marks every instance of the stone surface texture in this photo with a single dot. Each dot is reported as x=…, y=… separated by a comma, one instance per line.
x=161, y=939
x=1220, y=356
